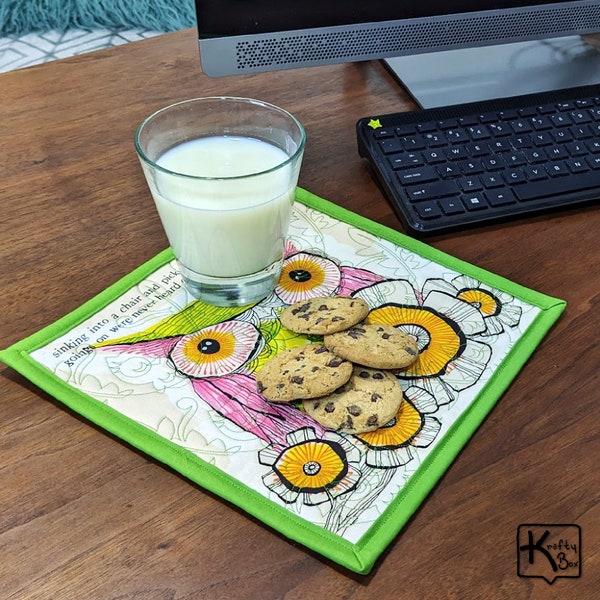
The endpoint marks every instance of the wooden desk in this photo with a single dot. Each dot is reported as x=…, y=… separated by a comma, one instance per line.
x=84, y=516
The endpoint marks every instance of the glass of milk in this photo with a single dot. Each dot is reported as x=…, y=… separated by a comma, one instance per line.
x=223, y=173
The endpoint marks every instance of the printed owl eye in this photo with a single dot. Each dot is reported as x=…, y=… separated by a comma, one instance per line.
x=217, y=350
x=305, y=275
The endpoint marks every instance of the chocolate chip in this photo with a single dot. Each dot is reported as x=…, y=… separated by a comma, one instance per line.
x=323, y=307
x=260, y=387
x=334, y=319
x=355, y=332
x=301, y=309
x=330, y=407
x=319, y=320
x=336, y=361
x=377, y=375
x=410, y=350
x=321, y=349
x=386, y=336
x=373, y=421
x=316, y=405
x=349, y=424
x=314, y=369
x=297, y=379
x=354, y=410
x=375, y=396
x=364, y=374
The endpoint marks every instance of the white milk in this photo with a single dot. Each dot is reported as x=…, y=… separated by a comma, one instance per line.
x=225, y=227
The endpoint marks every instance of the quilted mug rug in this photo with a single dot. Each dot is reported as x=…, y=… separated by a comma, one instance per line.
x=133, y=360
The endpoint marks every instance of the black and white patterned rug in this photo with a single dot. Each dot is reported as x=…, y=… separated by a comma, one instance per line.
x=17, y=52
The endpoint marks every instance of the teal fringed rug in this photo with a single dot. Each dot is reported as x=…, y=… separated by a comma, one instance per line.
x=19, y=17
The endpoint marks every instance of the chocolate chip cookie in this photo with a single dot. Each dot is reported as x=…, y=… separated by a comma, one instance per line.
x=326, y=314
x=306, y=371
x=374, y=345
x=370, y=399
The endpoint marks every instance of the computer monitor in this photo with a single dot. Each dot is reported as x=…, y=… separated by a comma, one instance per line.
x=443, y=51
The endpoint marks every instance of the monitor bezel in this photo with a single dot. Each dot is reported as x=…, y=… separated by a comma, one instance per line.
x=224, y=53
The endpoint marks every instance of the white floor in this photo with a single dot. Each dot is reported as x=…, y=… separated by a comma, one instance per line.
x=31, y=49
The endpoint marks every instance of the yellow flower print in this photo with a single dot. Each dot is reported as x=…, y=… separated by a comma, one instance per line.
x=314, y=469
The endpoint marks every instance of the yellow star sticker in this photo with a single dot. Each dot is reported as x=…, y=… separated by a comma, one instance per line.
x=374, y=123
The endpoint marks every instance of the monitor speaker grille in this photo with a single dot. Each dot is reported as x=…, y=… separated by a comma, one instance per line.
x=456, y=31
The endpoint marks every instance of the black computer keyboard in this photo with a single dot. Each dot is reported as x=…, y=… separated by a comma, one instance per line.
x=450, y=168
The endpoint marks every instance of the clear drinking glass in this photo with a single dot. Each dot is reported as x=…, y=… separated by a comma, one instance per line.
x=223, y=173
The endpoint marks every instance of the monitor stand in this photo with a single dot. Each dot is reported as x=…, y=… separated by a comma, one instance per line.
x=471, y=74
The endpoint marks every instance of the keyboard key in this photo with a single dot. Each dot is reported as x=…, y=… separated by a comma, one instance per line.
x=593, y=161
x=522, y=141
x=435, y=140
x=474, y=202
x=403, y=130
x=404, y=160
x=500, y=197
x=470, y=184
x=557, y=169
x=490, y=180
x=479, y=132
x=413, y=142
x=470, y=167
x=540, y=123
x=581, y=116
x=545, y=109
x=535, y=173
x=456, y=152
x=476, y=150
x=562, y=136
x=576, y=149
x=528, y=111
x=449, y=170
x=457, y=136
x=577, y=166
x=500, y=145
x=498, y=130
x=428, y=191
x=428, y=210
x=493, y=163
x=535, y=156
x=514, y=159
x=593, y=146
x=514, y=176
x=542, y=138
x=561, y=119
x=468, y=120
x=420, y=174
x=426, y=127
x=380, y=134
x=447, y=123
x=434, y=156
x=521, y=126
x=557, y=152
x=551, y=187
x=581, y=132
x=451, y=206
x=391, y=146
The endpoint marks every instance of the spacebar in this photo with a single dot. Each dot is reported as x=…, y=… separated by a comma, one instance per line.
x=558, y=186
